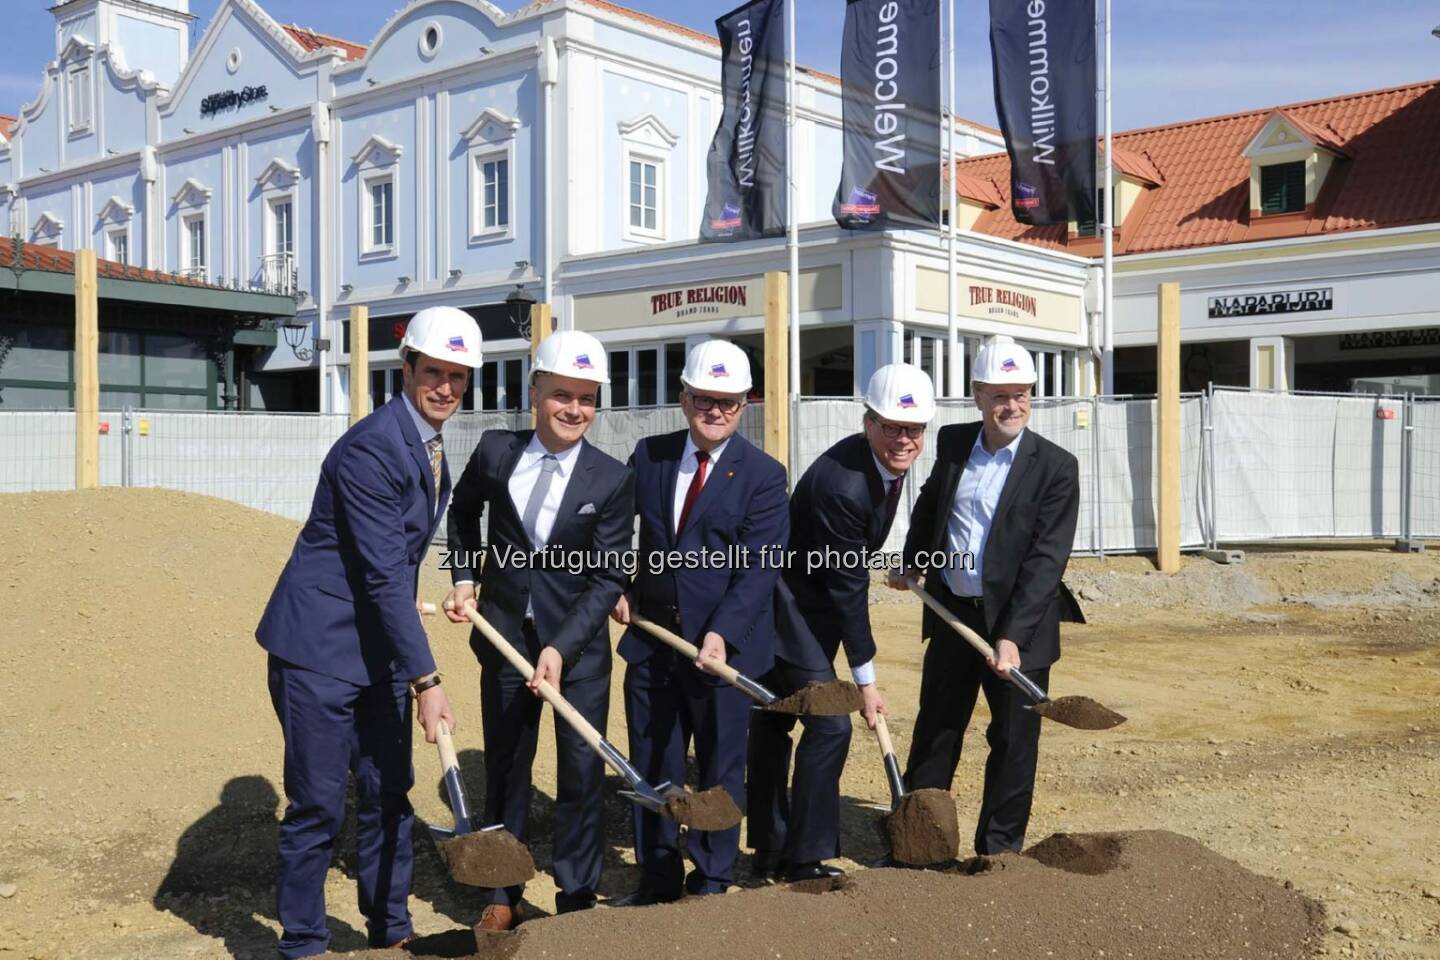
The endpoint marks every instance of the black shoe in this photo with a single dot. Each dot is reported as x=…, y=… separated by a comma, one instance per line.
x=644, y=898
x=767, y=864
x=812, y=871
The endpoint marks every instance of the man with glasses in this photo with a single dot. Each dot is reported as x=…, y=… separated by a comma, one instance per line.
x=699, y=492
x=841, y=510
x=1002, y=502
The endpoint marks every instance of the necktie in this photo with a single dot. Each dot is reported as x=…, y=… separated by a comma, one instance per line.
x=693, y=494
x=437, y=457
x=548, y=466
x=892, y=499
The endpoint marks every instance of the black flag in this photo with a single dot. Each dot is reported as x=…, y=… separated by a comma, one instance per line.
x=1044, y=59
x=890, y=74
x=746, y=166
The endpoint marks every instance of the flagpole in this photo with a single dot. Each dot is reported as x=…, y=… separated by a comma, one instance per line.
x=792, y=211
x=1107, y=362
x=954, y=360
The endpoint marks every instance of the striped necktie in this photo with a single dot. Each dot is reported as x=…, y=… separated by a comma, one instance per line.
x=437, y=458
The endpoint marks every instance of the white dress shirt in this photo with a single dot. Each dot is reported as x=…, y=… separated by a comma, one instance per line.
x=427, y=432
x=973, y=512
x=864, y=673
x=688, y=466
x=527, y=472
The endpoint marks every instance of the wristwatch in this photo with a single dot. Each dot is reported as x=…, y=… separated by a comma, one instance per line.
x=423, y=685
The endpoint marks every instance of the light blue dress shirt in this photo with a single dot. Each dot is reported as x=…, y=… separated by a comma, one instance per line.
x=973, y=513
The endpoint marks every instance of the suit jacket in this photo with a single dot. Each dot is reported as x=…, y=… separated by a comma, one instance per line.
x=1029, y=544
x=742, y=505
x=344, y=605
x=571, y=603
x=839, y=505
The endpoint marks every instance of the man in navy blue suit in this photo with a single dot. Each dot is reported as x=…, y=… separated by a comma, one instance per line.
x=707, y=489
x=842, y=508
x=346, y=648
x=547, y=490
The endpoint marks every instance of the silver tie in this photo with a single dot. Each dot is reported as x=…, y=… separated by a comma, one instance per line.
x=548, y=466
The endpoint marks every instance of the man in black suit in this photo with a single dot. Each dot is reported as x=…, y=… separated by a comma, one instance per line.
x=841, y=509
x=1002, y=502
x=548, y=489
x=700, y=492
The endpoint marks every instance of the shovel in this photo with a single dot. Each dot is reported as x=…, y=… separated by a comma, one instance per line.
x=1080, y=712
x=702, y=811
x=835, y=698
x=489, y=857
x=922, y=826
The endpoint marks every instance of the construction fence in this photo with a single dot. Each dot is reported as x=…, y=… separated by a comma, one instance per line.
x=1254, y=466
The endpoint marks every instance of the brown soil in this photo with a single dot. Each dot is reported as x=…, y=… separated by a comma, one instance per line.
x=833, y=698
x=1283, y=710
x=1082, y=713
x=712, y=809
x=924, y=828
x=1159, y=896
x=487, y=858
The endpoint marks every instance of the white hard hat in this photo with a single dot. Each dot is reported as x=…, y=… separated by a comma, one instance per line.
x=901, y=392
x=445, y=333
x=717, y=365
x=572, y=353
x=1002, y=360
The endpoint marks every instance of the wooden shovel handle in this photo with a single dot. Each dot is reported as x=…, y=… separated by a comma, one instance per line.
x=971, y=637
x=549, y=693
x=722, y=670
x=448, y=760
x=882, y=733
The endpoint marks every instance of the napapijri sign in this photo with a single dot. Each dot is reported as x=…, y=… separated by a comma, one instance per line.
x=1262, y=304
x=746, y=165
x=232, y=99
x=1043, y=55
x=889, y=70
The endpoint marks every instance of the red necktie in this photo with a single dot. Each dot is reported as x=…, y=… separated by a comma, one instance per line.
x=693, y=494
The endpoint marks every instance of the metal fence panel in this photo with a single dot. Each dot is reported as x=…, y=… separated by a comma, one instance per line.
x=1369, y=436
x=1129, y=478
x=37, y=451
x=1425, y=467
x=268, y=461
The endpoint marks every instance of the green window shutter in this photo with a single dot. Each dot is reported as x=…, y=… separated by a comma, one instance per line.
x=1282, y=187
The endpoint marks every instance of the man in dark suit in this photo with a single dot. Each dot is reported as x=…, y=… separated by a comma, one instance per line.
x=707, y=489
x=841, y=509
x=347, y=651
x=1002, y=502
x=548, y=490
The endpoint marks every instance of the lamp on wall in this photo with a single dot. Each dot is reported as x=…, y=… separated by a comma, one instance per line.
x=518, y=304
x=293, y=329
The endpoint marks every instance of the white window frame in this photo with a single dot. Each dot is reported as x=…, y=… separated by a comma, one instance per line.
x=369, y=249
x=643, y=155
x=378, y=162
x=188, y=262
x=48, y=231
x=79, y=91
x=479, y=232
x=272, y=223
x=121, y=234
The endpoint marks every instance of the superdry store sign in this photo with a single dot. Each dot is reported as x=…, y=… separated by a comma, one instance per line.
x=1264, y=304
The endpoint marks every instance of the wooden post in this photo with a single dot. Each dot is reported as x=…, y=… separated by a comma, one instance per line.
x=1167, y=364
x=541, y=326
x=777, y=367
x=359, y=364
x=87, y=372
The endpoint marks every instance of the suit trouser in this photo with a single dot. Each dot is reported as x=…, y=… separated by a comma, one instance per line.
x=669, y=703
x=332, y=729
x=952, y=675
x=803, y=821
x=510, y=714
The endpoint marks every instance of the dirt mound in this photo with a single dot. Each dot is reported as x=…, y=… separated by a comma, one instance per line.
x=1149, y=894
x=924, y=828
x=833, y=698
x=487, y=858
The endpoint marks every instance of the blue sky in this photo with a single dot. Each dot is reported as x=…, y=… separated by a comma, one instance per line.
x=1173, y=60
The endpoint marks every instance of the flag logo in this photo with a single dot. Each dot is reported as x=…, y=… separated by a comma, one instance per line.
x=718, y=370
x=907, y=401
x=456, y=344
x=582, y=362
x=1026, y=196
x=863, y=205
x=729, y=219
x=1009, y=366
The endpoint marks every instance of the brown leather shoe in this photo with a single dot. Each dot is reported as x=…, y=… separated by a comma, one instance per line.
x=402, y=944
x=498, y=917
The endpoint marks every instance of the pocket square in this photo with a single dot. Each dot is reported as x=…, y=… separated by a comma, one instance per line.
x=584, y=509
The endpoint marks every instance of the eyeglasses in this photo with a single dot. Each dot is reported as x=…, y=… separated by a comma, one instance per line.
x=725, y=405
x=891, y=431
x=1002, y=399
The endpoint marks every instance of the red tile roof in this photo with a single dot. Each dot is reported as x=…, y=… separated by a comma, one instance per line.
x=311, y=40
x=34, y=256
x=1390, y=179
x=6, y=125
x=1322, y=135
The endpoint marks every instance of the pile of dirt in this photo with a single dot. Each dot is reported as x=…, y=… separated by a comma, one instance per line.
x=834, y=698
x=487, y=858
x=924, y=828
x=1082, y=713
x=1148, y=894
x=712, y=809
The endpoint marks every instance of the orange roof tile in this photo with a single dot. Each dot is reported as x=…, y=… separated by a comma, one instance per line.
x=1136, y=164
x=980, y=189
x=34, y=256
x=311, y=40
x=6, y=125
x=1391, y=179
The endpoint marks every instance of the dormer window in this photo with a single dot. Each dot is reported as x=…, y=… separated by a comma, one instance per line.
x=1282, y=187
x=1091, y=227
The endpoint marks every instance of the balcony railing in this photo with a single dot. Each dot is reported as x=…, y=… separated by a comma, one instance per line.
x=277, y=274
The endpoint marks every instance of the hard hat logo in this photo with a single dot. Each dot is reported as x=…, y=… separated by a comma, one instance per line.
x=455, y=343
x=907, y=402
x=718, y=370
x=582, y=362
x=1009, y=366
